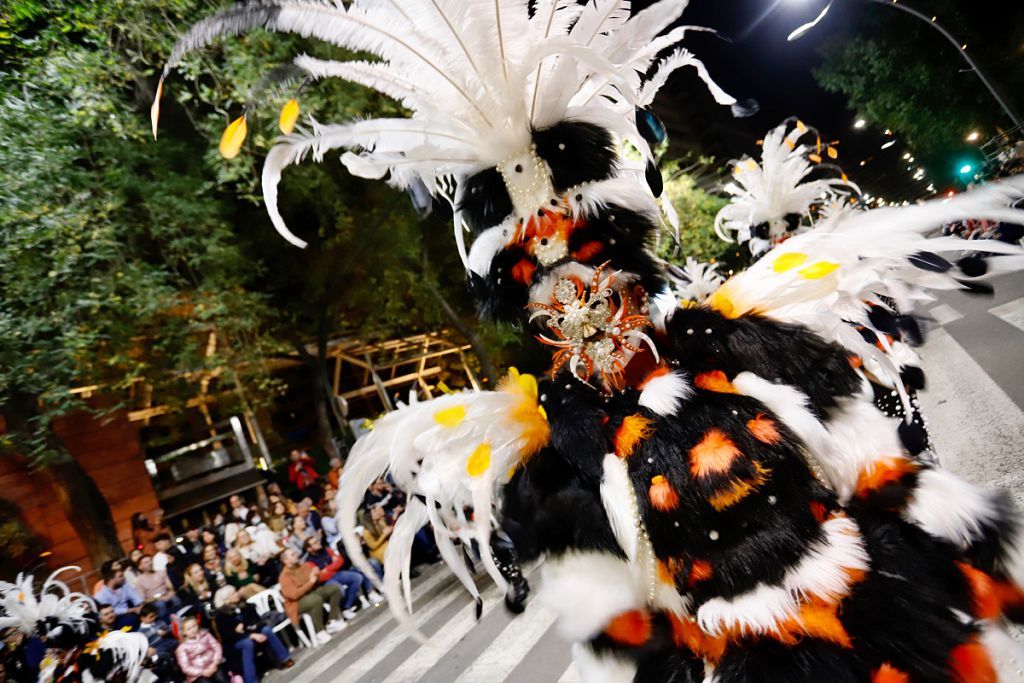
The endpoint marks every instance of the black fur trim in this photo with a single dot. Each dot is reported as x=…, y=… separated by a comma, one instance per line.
x=972, y=266
x=485, y=200
x=576, y=152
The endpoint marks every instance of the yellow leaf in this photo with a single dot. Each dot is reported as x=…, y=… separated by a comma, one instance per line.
x=818, y=270
x=289, y=115
x=450, y=417
x=479, y=460
x=789, y=261
x=233, y=137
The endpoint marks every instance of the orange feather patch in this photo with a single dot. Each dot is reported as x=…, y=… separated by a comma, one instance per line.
x=883, y=473
x=630, y=628
x=739, y=489
x=715, y=381
x=763, y=429
x=984, y=596
x=818, y=510
x=588, y=250
x=659, y=371
x=634, y=429
x=687, y=633
x=661, y=494
x=970, y=663
x=701, y=570
x=523, y=271
x=714, y=454
x=889, y=674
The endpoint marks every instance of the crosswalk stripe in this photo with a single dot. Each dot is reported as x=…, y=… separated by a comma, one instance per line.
x=360, y=634
x=509, y=647
x=1011, y=312
x=441, y=641
x=370, y=665
x=571, y=675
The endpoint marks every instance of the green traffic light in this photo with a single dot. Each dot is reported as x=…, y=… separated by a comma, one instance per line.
x=965, y=169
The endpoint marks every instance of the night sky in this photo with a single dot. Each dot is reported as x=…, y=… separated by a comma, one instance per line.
x=757, y=62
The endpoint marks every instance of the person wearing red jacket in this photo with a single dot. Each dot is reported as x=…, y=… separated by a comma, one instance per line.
x=330, y=565
x=303, y=477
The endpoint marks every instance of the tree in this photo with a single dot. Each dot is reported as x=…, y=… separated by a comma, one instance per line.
x=696, y=208
x=115, y=263
x=899, y=73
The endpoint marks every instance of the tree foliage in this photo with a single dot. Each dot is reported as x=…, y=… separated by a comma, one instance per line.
x=900, y=73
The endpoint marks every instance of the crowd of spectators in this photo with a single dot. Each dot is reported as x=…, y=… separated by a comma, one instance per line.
x=192, y=592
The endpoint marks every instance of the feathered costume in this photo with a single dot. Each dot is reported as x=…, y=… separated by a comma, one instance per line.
x=715, y=494
x=67, y=623
x=771, y=199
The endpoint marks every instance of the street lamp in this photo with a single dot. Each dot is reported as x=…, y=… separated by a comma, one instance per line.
x=859, y=124
x=961, y=48
x=973, y=136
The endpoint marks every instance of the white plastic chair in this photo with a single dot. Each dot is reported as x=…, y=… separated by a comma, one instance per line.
x=270, y=599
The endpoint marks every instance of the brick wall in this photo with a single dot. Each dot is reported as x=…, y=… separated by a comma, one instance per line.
x=108, y=449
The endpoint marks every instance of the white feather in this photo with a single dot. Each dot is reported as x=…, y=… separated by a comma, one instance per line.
x=587, y=590
x=602, y=668
x=666, y=393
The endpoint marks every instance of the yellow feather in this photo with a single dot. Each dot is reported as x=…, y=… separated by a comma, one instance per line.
x=787, y=262
x=154, y=110
x=289, y=115
x=818, y=270
x=233, y=137
x=450, y=417
x=479, y=460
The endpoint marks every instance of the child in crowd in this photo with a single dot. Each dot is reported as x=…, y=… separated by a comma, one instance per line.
x=199, y=654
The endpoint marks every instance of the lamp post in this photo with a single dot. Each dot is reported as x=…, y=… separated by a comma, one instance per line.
x=931, y=21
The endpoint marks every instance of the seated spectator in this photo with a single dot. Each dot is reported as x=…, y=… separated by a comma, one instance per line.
x=300, y=532
x=193, y=542
x=274, y=494
x=376, y=531
x=239, y=574
x=154, y=587
x=209, y=537
x=261, y=555
x=279, y=519
x=120, y=596
x=143, y=533
x=214, y=566
x=239, y=510
x=242, y=633
x=303, y=594
x=107, y=566
x=21, y=655
x=331, y=567
x=302, y=475
x=199, y=654
x=198, y=590
x=130, y=565
x=162, y=643
x=304, y=509
x=169, y=559
x=333, y=475
x=106, y=618
x=379, y=493
x=330, y=525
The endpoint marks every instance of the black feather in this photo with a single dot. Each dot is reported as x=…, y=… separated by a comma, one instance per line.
x=485, y=200
x=926, y=260
x=972, y=266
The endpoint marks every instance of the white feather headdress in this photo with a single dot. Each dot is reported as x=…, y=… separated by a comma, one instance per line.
x=477, y=75
x=775, y=188
x=24, y=610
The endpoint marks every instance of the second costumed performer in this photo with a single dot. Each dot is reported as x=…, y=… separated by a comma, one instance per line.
x=714, y=491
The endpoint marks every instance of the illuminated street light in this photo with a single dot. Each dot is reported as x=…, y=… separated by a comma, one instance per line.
x=965, y=169
x=961, y=47
x=859, y=124
x=973, y=136
x=889, y=144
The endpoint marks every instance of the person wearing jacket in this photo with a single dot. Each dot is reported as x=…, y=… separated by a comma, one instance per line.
x=242, y=633
x=304, y=594
x=199, y=654
x=330, y=566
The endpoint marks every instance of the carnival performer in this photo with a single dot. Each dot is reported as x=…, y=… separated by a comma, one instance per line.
x=714, y=491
